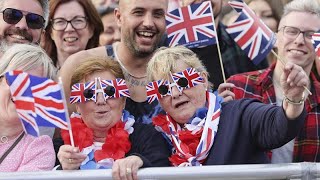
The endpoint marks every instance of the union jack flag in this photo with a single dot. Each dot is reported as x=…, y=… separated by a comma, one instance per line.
x=48, y=102
x=316, y=42
x=77, y=90
x=191, y=26
x=23, y=99
x=192, y=75
x=153, y=90
x=250, y=33
x=119, y=85
x=38, y=101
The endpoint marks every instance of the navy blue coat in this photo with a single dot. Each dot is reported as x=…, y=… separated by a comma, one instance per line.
x=248, y=128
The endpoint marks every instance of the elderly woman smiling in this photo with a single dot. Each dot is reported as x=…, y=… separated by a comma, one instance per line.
x=103, y=130
x=20, y=151
x=203, y=130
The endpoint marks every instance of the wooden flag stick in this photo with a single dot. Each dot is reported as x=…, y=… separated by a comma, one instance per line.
x=67, y=112
x=219, y=51
x=283, y=63
x=221, y=63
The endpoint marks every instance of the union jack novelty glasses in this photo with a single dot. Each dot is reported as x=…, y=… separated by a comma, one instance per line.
x=182, y=80
x=88, y=91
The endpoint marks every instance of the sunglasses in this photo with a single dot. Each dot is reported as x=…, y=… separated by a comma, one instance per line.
x=182, y=80
x=82, y=92
x=165, y=89
x=13, y=16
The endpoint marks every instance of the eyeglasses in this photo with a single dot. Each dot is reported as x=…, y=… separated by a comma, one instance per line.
x=182, y=80
x=293, y=32
x=90, y=92
x=13, y=16
x=81, y=92
x=165, y=89
x=78, y=23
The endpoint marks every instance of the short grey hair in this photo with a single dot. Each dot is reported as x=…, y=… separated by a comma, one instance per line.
x=26, y=57
x=310, y=6
x=45, y=7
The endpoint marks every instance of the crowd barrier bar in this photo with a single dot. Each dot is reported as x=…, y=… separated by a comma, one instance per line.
x=304, y=171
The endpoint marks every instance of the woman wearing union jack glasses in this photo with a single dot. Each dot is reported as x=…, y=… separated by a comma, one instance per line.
x=105, y=135
x=203, y=130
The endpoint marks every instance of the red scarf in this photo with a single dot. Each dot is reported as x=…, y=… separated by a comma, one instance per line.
x=116, y=145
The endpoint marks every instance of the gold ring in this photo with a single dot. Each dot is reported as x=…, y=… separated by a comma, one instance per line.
x=129, y=171
x=70, y=160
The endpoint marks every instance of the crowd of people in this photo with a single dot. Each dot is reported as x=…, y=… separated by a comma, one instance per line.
x=262, y=114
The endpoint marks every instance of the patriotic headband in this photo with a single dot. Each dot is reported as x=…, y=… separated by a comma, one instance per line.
x=81, y=92
x=182, y=80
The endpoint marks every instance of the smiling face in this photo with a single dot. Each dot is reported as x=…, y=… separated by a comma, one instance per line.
x=8, y=113
x=298, y=50
x=70, y=40
x=20, y=32
x=182, y=106
x=102, y=114
x=142, y=24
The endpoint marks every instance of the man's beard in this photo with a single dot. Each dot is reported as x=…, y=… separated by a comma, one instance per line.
x=135, y=49
x=4, y=44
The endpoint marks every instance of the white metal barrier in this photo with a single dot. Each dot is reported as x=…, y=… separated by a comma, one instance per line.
x=263, y=171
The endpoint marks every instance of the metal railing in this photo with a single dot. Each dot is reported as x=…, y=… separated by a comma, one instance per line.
x=305, y=171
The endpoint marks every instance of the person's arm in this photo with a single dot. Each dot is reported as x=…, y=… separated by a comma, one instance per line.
x=39, y=155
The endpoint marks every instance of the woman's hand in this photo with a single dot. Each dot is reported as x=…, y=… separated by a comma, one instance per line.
x=293, y=82
x=127, y=168
x=70, y=157
x=225, y=92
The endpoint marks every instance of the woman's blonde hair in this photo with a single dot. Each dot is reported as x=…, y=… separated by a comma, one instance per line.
x=164, y=60
x=27, y=57
x=96, y=64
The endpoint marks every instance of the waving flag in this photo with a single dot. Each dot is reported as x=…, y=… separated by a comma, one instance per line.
x=77, y=90
x=119, y=85
x=23, y=99
x=38, y=101
x=250, y=33
x=153, y=90
x=191, y=26
x=192, y=75
x=48, y=102
x=316, y=42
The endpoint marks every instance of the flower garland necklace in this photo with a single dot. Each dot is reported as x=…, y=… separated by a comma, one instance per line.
x=101, y=155
x=191, y=143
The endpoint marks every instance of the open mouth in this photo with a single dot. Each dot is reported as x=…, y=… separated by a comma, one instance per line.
x=297, y=52
x=145, y=34
x=70, y=39
x=15, y=36
x=180, y=104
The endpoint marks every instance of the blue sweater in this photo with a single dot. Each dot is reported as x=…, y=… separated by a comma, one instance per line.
x=248, y=128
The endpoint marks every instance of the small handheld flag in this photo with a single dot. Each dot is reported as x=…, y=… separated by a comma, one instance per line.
x=250, y=33
x=38, y=101
x=191, y=26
